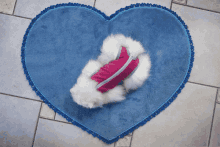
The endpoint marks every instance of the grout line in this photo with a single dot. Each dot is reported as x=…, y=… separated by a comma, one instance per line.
x=212, y=118
x=196, y=7
x=22, y=17
x=14, y=7
x=203, y=84
x=55, y=120
x=36, y=125
x=94, y=3
x=131, y=139
x=20, y=97
x=16, y=16
x=171, y=4
x=54, y=115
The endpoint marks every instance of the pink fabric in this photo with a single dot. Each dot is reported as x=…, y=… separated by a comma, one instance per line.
x=111, y=68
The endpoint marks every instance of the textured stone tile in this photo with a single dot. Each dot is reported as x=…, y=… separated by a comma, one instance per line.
x=123, y=142
x=110, y=6
x=206, y=4
x=56, y=134
x=185, y=123
x=47, y=112
x=7, y=6
x=180, y=1
x=18, y=118
x=215, y=135
x=60, y=118
x=204, y=29
x=12, y=78
x=31, y=8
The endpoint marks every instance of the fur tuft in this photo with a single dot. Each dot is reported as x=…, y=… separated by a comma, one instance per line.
x=134, y=47
x=140, y=75
x=115, y=95
x=91, y=67
x=84, y=93
x=113, y=43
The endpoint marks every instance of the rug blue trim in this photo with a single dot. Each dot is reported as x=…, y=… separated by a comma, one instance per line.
x=173, y=97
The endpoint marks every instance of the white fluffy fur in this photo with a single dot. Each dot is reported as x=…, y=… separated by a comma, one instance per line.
x=91, y=67
x=140, y=75
x=112, y=44
x=84, y=91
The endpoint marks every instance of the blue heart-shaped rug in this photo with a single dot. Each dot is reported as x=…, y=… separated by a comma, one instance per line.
x=63, y=38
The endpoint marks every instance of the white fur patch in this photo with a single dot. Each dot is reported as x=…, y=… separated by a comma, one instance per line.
x=84, y=91
x=91, y=67
x=140, y=75
x=115, y=95
x=113, y=43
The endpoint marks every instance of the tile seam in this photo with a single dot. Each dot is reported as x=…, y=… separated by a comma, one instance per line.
x=131, y=139
x=19, y=97
x=55, y=120
x=203, y=84
x=171, y=4
x=197, y=7
x=14, y=7
x=36, y=125
x=54, y=115
x=94, y=3
x=212, y=118
x=16, y=16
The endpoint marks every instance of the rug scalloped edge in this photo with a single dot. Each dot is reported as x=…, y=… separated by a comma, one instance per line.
x=107, y=18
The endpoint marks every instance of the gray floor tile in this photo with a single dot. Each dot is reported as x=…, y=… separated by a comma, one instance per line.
x=31, y=8
x=206, y=4
x=180, y=1
x=57, y=134
x=47, y=112
x=12, y=77
x=124, y=142
x=60, y=118
x=18, y=118
x=204, y=29
x=110, y=6
x=215, y=135
x=185, y=123
x=7, y=6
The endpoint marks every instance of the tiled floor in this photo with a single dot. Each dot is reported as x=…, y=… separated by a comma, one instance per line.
x=192, y=120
